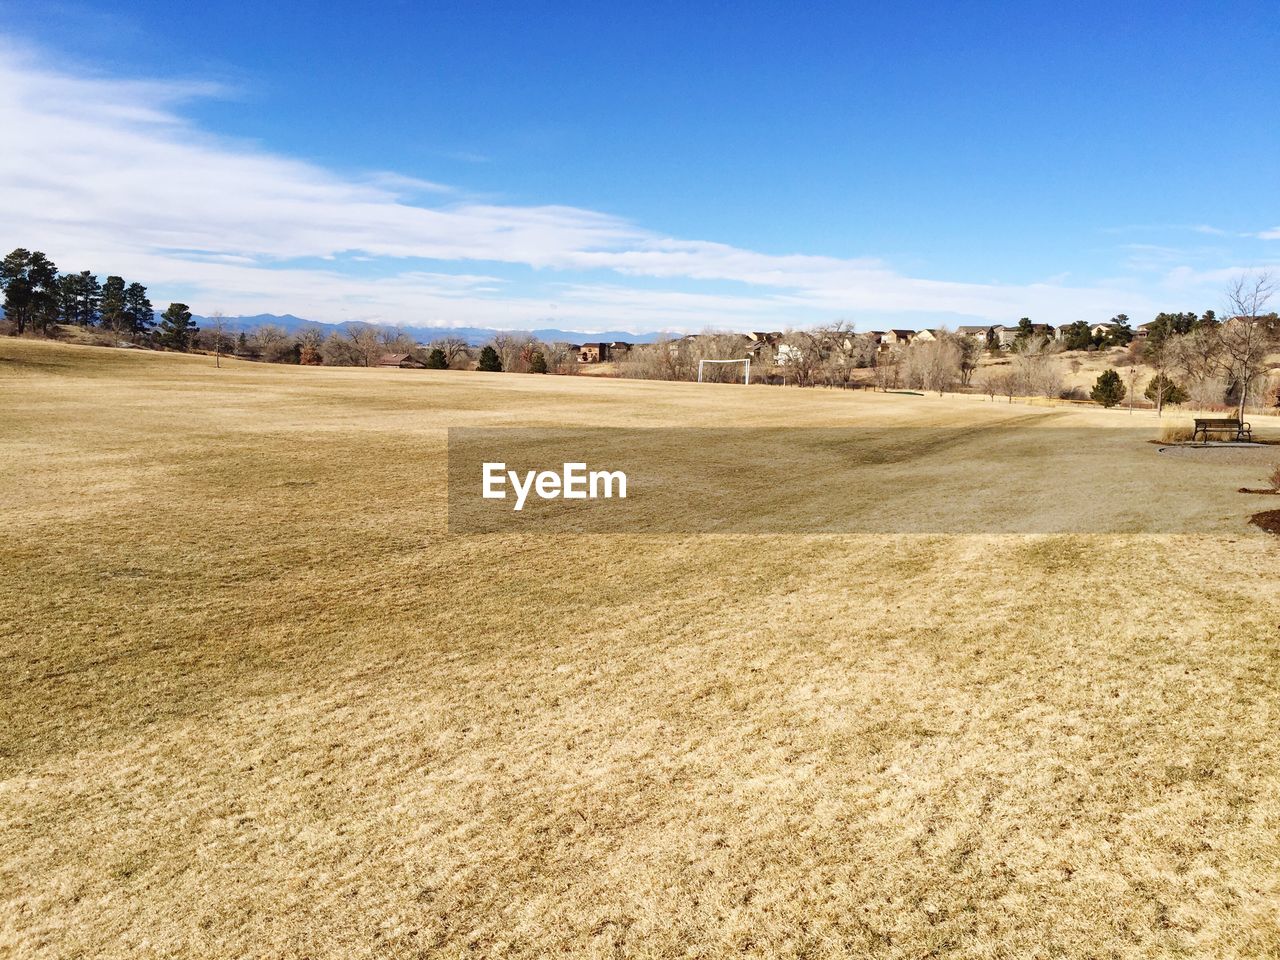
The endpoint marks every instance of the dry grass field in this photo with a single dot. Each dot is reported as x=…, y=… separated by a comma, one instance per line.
x=257, y=703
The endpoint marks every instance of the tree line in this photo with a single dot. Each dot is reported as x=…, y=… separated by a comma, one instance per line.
x=37, y=296
x=1196, y=358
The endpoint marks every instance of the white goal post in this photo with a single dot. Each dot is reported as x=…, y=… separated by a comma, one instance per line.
x=746, y=368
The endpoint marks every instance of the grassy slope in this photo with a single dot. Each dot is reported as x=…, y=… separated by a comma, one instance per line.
x=254, y=702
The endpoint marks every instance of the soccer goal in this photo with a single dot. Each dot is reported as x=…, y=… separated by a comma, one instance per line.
x=746, y=368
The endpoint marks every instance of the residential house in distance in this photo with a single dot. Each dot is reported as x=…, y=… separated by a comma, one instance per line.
x=619, y=348
x=1007, y=334
x=974, y=333
x=404, y=361
x=924, y=336
x=892, y=338
x=1103, y=328
x=593, y=353
x=1004, y=335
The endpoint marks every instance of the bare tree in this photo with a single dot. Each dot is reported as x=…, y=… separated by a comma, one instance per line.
x=1003, y=384
x=217, y=328
x=395, y=340
x=560, y=359
x=933, y=364
x=889, y=368
x=1036, y=368
x=1248, y=335
x=800, y=355
x=271, y=343
x=514, y=350
x=970, y=354
x=456, y=351
x=310, y=345
x=1198, y=357
x=1158, y=353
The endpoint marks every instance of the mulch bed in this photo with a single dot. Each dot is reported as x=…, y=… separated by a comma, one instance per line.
x=1268, y=520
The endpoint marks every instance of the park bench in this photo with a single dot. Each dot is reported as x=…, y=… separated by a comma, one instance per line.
x=1207, y=425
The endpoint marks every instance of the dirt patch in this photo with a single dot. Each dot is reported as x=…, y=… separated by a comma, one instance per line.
x=1263, y=490
x=1268, y=520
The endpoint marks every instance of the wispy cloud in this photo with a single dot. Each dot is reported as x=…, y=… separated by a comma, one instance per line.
x=109, y=174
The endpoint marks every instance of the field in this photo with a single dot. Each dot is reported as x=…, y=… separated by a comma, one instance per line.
x=257, y=702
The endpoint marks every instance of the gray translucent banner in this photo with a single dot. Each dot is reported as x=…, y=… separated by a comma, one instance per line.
x=971, y=480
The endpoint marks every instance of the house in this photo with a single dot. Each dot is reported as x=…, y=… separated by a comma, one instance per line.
x=1103, y=328
x=892, y=338
x=974, y=333
x=924, y=336
x=405, y=361
x=1004, y=335
x=593, y=353
x=619, y=347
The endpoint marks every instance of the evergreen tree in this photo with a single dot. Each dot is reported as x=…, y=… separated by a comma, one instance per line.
x=1121, y=333
x=242, y=345
x=139, y=314
x=537, y=362
x=69, y=298
x=114, y=310
x=32, y=294
x=489, y=360
x=176, y=329
x=1078, y=336
x=436, y=360
x=1109, y=390
x=1024, y=331
x=1162, y=390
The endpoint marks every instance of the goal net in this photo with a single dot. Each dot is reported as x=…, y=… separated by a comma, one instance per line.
x=714, y=375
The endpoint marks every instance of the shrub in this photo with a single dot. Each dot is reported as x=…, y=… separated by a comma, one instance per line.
x=1109, y=390
x=1175, y=433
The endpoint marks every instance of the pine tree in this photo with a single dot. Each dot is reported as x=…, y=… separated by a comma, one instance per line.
x=489, y=360
x=176, y=329
x=1121, y=333
x=436, y=360
x=1162, y=390
x=1109, y=390
x=139, y=314
x=537, y=362
x=113, y=307
x=32, y=293
x=69, y=298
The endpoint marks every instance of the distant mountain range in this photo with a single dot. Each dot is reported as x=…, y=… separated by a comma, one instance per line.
x=473, y=335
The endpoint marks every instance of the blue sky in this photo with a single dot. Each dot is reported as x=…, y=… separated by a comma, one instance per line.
x=664, y=166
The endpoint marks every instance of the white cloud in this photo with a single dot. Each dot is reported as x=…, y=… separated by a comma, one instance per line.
x=107, y=174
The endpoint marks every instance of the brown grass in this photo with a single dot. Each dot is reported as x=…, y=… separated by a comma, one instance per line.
x=1176, y=432
x=257, y=703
